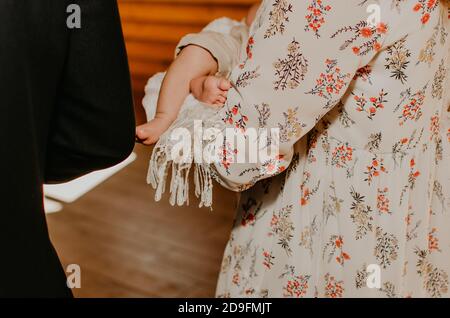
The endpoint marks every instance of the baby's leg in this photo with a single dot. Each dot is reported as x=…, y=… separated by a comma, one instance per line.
x=193, y=62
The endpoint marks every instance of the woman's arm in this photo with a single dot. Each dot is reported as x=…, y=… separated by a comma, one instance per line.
x=299, y=68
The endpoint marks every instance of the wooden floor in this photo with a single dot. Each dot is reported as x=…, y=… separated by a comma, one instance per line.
x=129, y=246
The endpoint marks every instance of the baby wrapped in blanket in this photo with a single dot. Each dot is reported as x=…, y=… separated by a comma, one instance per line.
x=195, y=83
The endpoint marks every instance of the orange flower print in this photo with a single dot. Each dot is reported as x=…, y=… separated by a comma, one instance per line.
x=234, y=116
x=417, y=7
x=412, y=165
x=402, y=147
x=342, y=154
x=433, y=241
x=333, y=287
x=382, y=28
x=412, y=179
x=268, y=259
x=249, y=51
x=366, y=32
x=411, y=105
x=297, y=286
x=270, y=167
x=374, y=170
x=383, y=201
x=372, y=105
x=434, y=127
x=315, y=18
x=331, y=82
x=425, y=7
x=339, y=242
x=342, y=256
x=365, y=37
x=226, y=155
x=408, y=219
x=307, y=192
x=377, y=46
x=236, y=279
x=274, y=221
x=334, y=248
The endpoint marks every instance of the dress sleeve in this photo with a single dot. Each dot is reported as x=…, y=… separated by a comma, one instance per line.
x=299, y=62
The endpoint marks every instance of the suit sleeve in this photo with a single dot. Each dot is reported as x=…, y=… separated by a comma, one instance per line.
x=93, y=125
x=299, y=63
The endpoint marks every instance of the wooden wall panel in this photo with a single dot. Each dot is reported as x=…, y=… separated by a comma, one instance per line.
x=152, y=28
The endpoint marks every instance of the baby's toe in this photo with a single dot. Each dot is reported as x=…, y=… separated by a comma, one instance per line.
x=224, y=84
x=221, y=99
x=210, y=98
x=217, y=104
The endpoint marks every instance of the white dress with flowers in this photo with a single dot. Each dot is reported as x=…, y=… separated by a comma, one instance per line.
x=361, y=187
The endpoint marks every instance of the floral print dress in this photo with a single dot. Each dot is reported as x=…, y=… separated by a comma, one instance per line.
x=362, y=185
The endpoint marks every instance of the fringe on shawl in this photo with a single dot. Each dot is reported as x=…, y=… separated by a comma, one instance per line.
x=162, y=164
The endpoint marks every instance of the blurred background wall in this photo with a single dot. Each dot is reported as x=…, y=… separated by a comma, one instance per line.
x=152, y=28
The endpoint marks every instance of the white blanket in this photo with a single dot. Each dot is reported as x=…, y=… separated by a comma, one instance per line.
x=222, y=25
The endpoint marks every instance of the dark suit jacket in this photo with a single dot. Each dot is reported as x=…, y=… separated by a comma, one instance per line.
x=65, y=110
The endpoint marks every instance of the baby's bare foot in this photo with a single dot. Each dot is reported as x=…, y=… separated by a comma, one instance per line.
x=211, y=90
x=150, y=132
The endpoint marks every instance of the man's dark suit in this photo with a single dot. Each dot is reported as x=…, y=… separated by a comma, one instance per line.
x=65, y=110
